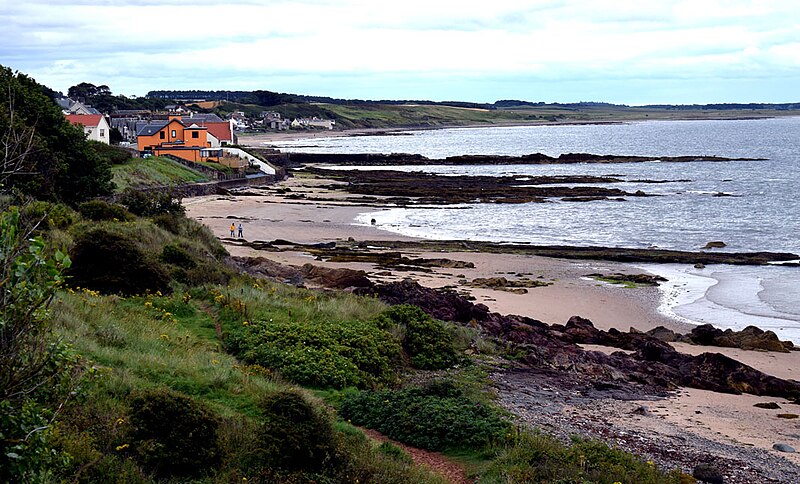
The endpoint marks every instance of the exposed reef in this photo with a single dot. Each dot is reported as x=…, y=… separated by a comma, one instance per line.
x=394, y=159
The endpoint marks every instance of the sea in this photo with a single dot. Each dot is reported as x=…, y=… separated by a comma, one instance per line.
x=748, y=205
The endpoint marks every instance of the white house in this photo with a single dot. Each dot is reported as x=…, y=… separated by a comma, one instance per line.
x=94, y=126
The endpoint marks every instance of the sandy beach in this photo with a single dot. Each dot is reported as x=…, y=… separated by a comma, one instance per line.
x=729, y=420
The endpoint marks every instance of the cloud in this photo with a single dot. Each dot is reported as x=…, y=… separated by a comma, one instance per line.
x=387, y=46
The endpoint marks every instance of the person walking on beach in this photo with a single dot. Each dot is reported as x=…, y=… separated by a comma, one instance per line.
x=233, y=228
x=240, y=230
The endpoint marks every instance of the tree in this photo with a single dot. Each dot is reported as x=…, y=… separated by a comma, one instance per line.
x=44, y=156
x=34, y=369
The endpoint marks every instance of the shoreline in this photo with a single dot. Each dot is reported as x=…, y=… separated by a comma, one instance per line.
x=723, y=426
x=569, y=293
x=262, y=140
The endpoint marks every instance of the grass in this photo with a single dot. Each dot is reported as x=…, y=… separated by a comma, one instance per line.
x=171, y=342
x=154, y=171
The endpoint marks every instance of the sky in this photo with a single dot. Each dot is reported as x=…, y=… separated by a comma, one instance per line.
x=623, y=51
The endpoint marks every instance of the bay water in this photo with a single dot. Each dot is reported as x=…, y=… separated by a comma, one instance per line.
x=749, y=205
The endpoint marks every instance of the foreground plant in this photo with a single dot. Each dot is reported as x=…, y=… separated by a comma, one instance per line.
x=35, y=369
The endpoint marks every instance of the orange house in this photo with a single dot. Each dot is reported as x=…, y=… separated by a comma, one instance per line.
x=175, y=138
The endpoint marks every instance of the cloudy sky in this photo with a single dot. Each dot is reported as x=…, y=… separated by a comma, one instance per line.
x=622, y=51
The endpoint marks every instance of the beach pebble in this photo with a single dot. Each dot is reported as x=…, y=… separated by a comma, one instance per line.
x=783, y=448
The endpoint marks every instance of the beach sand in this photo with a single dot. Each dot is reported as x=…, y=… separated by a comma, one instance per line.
x=730, y=419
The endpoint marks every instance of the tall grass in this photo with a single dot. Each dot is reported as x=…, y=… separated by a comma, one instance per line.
x=156, y=171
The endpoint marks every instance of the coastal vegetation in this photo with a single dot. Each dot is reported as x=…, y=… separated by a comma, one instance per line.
x=157, y=391
x=358, y=113
x=133, y=350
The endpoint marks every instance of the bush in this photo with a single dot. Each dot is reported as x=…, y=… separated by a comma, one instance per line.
x=319, y=354
x=112, y=264
x=98, y=210
x=435, y=418
x=173, y=435
x=294, y=434
x=148, y=204
x=174, y=254
x=534, y=457
x=45, y=215
x=178, y=224
x=427, y=341
x=113, y=155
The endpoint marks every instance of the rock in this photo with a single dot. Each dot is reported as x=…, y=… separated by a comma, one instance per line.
x=750, y=338
x=341, y=278
x=704, y=334
x=767, y=405
x=716, y=244
x=639, y=279
x=699, y=265
x=787, y=416
x=708, y=473
x=641, y=410
x=783, y=448
x=664, y=334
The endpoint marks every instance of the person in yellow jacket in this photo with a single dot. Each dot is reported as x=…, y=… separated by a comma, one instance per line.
x=233, y=229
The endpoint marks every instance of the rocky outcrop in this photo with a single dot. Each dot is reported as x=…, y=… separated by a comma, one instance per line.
x=518, y=286
x=750, y=338
x=638, y=279
x=394, y=159
x=341, y=278
x=652, y=364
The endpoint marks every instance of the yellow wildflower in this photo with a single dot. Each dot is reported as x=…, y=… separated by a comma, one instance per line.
x=122, y=447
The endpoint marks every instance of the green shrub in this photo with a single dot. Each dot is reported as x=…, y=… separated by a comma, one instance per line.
x=178, y=224
x=395, y=452
x=174, y=254
x=534, y=457
x=435, y=418
x=113, y=155
x=427, y=341
x=173, y=435
x=294, y=435
x=45, y=215
x=325, y=354
x=98, y=210
x=112, y=264
x=147, y=204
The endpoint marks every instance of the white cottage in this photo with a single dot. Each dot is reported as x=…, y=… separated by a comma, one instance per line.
x=94, y=126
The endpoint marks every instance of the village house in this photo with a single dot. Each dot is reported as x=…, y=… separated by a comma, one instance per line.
x=95, y=126
x=173, y=137
x=313, y=122
x=70, y=106
x=220, y=132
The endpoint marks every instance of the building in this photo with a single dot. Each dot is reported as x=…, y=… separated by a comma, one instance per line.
x=173, y=137
x=69, y=106
x=313, y=122
x=94, y=126
x=220, y=132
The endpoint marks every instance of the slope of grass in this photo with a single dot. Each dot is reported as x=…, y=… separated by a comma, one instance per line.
x=180, y=345
x=155, y=171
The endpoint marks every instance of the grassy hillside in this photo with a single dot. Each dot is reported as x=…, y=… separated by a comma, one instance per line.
x=155, y=171
x=375, y=115
x=184, y=370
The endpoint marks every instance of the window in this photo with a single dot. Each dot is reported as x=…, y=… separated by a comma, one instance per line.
x=174, y=134
x=161, y=135
x=195, y=134
x=102, y=133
